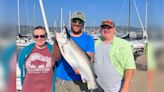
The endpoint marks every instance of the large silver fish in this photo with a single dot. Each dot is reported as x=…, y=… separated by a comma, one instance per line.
x=76, y=57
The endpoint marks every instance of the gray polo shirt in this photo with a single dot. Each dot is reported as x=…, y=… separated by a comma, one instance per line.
x=107, y=76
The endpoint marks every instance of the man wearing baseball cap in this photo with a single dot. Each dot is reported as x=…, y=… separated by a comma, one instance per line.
x=114, y=62
x=68, y=78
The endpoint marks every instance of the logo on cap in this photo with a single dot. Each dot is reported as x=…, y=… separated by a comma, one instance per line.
x=107, y=23
x=79, y=15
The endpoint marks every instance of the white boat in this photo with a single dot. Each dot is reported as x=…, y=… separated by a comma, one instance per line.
x=22, y=42
x=138, y=45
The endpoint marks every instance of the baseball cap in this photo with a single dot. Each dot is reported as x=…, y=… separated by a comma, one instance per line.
x=78, y=15
x=107, y=22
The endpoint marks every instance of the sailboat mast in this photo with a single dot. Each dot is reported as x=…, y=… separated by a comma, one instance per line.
x=54, y=27
x=18, y=17
x=61, y=19
x=138, y=15
x=146, y=21
x=34, y=14
x=69, y=20
x=129, y=18
x=44, y=19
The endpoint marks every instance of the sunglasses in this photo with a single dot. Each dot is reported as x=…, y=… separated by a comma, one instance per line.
x=41, y=36
x=77, y=20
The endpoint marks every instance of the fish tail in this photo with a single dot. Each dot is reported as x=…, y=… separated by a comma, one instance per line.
x=91, y=85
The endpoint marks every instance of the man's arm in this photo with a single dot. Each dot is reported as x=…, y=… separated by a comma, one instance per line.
x=128, y=75
x=56, y=51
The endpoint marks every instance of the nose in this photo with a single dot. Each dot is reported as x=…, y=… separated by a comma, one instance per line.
x=105, y=31
x=39, y=38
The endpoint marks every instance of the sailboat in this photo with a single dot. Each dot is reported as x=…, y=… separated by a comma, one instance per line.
x=21, y=40
x=139, y=45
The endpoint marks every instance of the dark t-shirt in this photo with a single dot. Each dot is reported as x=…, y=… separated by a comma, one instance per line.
x=39, y=71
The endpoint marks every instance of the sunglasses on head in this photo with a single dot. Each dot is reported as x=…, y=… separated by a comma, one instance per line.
x=77, y=20
x=41, y=36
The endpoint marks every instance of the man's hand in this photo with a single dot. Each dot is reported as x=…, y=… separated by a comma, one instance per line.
x=124, y=90
x=91, y=56
x=127, y=80
x=77, y=71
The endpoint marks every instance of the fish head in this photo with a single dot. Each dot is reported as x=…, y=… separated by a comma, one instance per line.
x=63, y=37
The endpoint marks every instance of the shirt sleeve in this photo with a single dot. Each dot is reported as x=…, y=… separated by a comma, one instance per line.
x=129, y=58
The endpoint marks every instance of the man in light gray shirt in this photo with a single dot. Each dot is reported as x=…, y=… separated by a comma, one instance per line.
x=114, y=61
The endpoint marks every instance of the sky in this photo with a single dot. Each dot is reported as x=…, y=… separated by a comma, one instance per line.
x=94, y=10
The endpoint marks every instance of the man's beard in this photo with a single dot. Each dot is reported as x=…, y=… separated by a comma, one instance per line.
x=77, y=33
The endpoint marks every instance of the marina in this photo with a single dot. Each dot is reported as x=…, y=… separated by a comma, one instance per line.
x=138, y=36
x=21, y=41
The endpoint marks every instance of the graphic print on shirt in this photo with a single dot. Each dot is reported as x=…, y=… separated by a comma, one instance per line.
x=38, y=63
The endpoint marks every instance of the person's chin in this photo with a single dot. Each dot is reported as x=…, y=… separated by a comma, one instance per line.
x=76, y=30
x=105, y=37
x=40, y=44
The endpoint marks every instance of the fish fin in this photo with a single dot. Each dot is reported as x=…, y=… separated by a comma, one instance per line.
x=69, y=36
